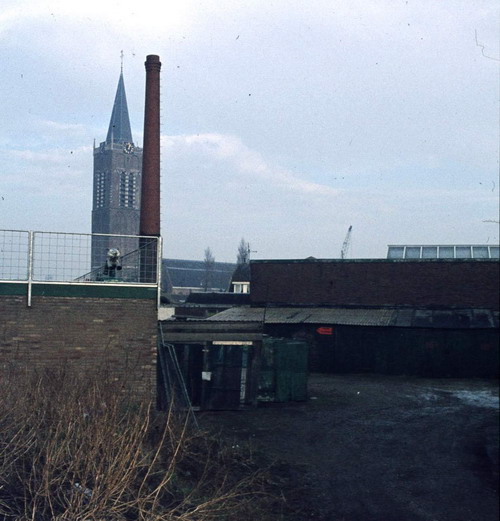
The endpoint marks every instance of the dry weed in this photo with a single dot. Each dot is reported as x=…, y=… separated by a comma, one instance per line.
x=75, y=447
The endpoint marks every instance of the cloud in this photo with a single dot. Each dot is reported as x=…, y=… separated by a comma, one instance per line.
x=244, y=162
x=114, y=12
x=62, y=127
x=217, y=189
x=382, y=115
x=60, y=172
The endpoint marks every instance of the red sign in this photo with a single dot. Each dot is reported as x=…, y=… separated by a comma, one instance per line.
x=325, y=330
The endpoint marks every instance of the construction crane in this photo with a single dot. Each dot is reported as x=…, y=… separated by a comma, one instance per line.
x=345, y=246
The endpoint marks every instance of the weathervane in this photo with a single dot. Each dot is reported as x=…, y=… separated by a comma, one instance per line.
x=121, y=58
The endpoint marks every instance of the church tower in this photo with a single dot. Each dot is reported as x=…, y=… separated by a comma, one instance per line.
x=117, y=185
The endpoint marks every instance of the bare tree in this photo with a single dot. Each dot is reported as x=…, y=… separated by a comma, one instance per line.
x=243, y=252
x=209, y=265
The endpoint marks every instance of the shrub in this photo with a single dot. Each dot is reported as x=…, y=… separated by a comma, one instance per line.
x=75, y=447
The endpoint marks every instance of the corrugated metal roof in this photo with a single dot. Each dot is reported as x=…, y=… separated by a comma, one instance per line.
x=356, y=317
x=446, y=318
x=424, y=318
x=239, y=314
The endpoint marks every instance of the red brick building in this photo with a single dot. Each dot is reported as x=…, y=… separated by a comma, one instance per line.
x=435, y=317
x=422, y=283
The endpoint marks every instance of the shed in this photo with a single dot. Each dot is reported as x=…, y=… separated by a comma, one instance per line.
x=406, y=341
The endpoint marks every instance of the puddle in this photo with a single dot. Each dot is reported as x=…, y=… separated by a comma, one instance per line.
x=477, y=398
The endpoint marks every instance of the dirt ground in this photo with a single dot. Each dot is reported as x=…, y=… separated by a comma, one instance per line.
x=379, y=448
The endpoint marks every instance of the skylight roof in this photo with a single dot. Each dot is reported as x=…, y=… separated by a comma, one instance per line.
x=473, y=251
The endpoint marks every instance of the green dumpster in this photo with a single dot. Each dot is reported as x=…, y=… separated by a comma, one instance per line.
x=283, y=371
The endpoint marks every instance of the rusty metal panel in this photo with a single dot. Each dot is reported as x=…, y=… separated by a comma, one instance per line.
x=208, y=331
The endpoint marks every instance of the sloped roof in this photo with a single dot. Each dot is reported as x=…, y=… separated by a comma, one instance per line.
x=119, y=125
x=191, y=274
x=281, y=315
x=446, y=318
x=424, y=318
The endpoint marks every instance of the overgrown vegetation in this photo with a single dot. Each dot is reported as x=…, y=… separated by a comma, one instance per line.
x=75, y=448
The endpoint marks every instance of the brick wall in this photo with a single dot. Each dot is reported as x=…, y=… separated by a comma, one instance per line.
x=111, y=334
x=468, y=284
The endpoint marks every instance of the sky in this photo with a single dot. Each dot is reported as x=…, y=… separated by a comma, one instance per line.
x=283, y=121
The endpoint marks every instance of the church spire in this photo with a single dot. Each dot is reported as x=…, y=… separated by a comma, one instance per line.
x=119, y=126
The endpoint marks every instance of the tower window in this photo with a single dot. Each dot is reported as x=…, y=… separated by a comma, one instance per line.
x=100, y=190
x=128, y=190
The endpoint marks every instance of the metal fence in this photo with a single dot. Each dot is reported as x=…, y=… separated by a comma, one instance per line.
x=77, y=258
x=14, y=255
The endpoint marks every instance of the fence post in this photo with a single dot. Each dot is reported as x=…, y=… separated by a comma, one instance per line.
x=30, y=265
x=159, y=249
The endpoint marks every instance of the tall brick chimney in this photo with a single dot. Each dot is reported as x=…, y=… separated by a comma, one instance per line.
x=150, y=188
x=150, y=195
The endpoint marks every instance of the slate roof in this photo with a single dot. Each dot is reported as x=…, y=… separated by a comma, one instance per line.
x=119, y=125
x=381, y=317
x=181, y=273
